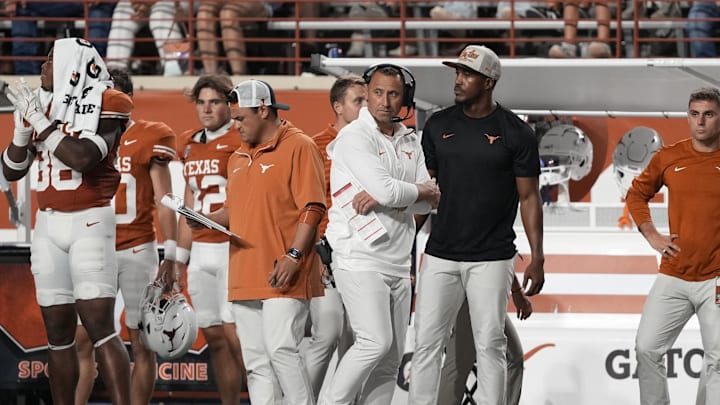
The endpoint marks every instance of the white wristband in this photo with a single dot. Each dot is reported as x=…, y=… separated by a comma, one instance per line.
x=53, y=140
x=182, y=255
x=170, y=252
x=21, y=136
x=18, y=166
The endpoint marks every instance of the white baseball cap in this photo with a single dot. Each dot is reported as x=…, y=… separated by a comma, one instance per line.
x=479, y=59
x=254, y=93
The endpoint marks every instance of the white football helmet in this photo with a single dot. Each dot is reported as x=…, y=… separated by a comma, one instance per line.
x=167, y=322
x=632, y=154
x=565, y=153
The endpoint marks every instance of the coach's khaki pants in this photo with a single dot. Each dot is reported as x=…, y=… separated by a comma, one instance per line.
x=443, y=285
x=378, y=307
x=270, y=332
x=456, y=368
x=669, y=305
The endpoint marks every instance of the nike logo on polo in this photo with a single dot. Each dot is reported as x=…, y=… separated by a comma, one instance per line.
x=492, y=139
x=220, y=146
x=446, y=136
x=680, y=168
x=129, y=142
x=89, y=224
x=264, y=168
x=381, y=153
x=136, y=251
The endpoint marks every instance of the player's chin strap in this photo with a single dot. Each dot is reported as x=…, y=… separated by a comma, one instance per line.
x=104, y=340
x=61, y=347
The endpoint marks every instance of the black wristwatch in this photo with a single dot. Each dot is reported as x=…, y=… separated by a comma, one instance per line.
x=295, y=254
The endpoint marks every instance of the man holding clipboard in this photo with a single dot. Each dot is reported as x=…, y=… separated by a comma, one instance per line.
x=275, y=199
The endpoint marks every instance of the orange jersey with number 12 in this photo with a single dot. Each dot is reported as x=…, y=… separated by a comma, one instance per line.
x=205, y=172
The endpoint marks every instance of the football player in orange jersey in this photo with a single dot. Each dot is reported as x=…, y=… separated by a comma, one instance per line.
x=204, y=154
x=145, y=150
x=688, y=282
x=72, y=126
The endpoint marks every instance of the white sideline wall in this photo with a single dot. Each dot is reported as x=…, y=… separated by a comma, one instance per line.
x=589, y=359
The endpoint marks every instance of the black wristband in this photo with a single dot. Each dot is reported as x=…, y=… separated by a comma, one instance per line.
x=295, y=253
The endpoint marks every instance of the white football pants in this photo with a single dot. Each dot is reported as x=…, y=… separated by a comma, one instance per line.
x=329, y=331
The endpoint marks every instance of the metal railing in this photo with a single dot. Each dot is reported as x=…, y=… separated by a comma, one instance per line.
x=283, y=43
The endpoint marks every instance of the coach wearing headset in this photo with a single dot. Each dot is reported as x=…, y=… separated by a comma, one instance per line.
x=378, y=180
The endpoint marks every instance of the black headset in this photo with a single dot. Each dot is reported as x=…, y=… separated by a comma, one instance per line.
x=408, y=86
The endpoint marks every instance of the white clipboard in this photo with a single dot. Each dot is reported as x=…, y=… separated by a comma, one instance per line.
x=177, y=204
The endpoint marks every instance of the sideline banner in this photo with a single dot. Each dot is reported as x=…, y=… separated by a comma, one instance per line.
x=23, y=342
x=588, y=359
x=579, y=344
x=573, y=359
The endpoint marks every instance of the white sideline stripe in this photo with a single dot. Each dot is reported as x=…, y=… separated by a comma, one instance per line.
x=619, y=243
x=596, y=284
x=570, y=323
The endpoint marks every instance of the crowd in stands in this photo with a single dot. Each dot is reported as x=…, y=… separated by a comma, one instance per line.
x=238, y=38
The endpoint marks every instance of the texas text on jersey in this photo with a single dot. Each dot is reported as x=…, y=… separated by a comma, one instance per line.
x=205, y=171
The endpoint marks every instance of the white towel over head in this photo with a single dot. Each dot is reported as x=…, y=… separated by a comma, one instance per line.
x=79, y=79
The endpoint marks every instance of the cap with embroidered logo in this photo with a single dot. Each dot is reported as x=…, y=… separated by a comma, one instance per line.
x=254, y=93
x=479, y=59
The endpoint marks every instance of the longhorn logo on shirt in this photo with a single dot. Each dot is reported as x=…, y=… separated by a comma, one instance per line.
x=74, y=78
x=492, y=139
x=408, y=153
x=264, y=168
x=93, y=70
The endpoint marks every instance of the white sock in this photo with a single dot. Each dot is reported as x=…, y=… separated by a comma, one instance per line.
x=163, y=27
x=122, y=35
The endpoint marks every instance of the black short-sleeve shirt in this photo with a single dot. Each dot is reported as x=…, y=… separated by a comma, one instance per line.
x=477, y=161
